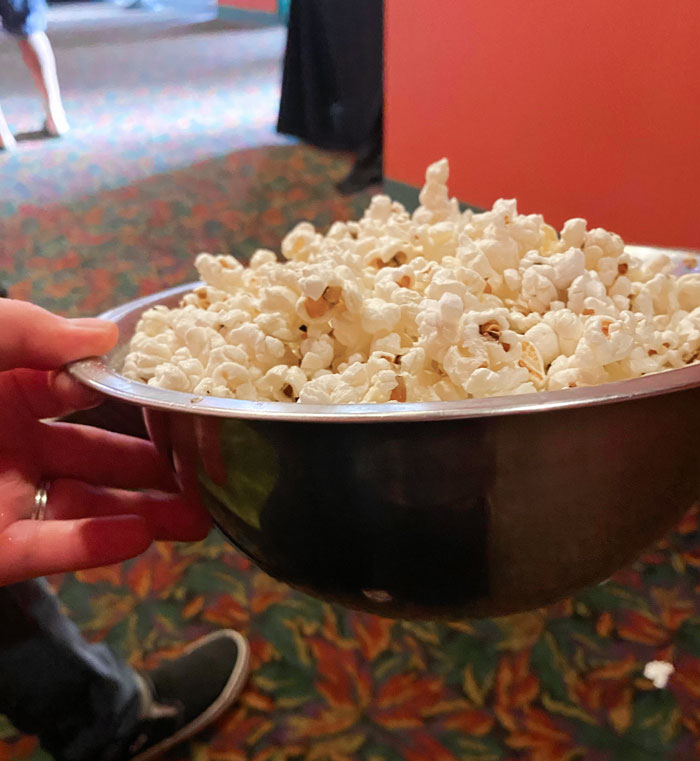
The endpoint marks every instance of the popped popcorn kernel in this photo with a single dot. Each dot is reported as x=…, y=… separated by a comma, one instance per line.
x=658, y=672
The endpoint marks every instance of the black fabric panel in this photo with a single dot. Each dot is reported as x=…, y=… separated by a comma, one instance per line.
x=332, y=83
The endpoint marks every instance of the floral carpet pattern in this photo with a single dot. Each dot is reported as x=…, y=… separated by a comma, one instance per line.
x=328, y=684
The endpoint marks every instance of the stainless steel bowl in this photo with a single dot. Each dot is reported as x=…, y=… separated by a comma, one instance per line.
x=437, y=510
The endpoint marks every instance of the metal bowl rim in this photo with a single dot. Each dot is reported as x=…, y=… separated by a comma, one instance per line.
x=97, y=373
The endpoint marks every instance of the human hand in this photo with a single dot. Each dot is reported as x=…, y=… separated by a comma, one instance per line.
x=92, y=518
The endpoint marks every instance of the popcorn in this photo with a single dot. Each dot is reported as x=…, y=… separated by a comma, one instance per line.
x=538, y=290
x=587, y=285
x=300, y=243
x=317, y=353
x=608, y=340
x=573, y=233
x=320, y=390
x=437, y=305
x=379, y=315
x=567, y=267
x=689, y=292
x=543, y=337
x=435, y=203
x=485, y=382
x=262, y=257
x=222, y=272
x=282, y=383
x=230, y=375
x=172, y=377
x=568, y=326
x=658, y=672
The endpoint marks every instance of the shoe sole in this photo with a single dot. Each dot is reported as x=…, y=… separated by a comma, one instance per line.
x=232, y=689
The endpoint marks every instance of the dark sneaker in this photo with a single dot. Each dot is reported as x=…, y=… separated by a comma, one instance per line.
x=364, y=173
x=186, y=694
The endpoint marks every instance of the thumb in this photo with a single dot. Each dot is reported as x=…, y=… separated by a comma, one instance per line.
x=33, y=338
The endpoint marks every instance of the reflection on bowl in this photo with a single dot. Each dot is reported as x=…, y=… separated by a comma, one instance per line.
x=448, y=509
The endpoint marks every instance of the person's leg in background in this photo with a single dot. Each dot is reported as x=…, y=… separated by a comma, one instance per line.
x=53, y=684
x=86, y=705
x=39, y=58
x=368, y=168
x=11, y=21
x=332, y=89
x=26, y=21
x=7, y=140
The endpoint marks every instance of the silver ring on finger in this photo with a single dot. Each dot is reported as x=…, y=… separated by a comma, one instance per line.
x=41, y=498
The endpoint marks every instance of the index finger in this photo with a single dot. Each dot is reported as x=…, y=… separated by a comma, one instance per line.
x=33, y=338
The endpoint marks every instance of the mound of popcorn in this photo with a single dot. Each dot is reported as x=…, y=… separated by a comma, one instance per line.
x=437, y=305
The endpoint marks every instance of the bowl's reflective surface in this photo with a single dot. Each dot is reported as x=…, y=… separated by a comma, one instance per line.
x=506, y=505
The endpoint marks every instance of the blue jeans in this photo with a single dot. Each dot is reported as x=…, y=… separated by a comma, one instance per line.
x=78, y=698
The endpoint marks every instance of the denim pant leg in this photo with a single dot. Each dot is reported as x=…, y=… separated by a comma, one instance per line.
x=78, y=698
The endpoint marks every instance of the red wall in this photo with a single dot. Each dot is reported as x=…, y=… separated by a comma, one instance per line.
x=577, y=108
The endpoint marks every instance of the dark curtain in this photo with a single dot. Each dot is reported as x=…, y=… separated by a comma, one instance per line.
x=332, y=82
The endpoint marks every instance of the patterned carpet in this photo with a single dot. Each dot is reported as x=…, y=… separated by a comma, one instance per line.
x=174, y=152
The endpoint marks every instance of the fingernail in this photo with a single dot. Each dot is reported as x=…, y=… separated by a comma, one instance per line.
x=90, y=323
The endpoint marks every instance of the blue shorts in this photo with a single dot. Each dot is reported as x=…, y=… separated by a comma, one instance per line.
x=23, y=17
